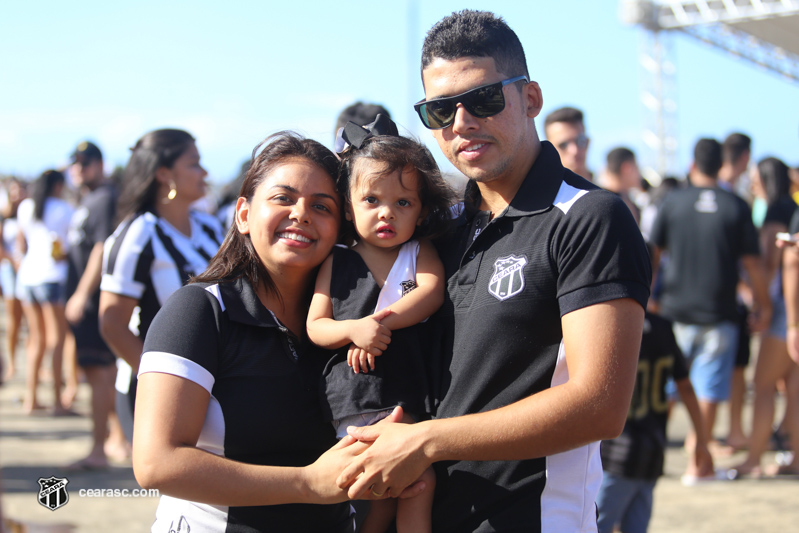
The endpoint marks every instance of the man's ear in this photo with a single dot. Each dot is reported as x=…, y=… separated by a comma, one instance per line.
x=243, y=215
x=535, y=100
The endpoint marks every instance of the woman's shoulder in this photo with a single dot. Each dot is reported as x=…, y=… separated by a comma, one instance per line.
x=190, y=303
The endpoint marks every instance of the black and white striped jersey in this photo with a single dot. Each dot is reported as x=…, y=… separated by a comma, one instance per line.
x=148, y=259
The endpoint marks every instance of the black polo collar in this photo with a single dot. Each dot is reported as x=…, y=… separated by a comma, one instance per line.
x=243, y=305
x=538, y=191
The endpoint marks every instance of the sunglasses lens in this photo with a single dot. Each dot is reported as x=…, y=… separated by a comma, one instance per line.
x=484, y=102
x=438, y=114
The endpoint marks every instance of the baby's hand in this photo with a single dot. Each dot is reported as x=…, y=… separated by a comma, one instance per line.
x=369, y=339
x=360, y=360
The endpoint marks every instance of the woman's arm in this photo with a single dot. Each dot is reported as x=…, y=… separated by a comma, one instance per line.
x=115, y=313
x=428, y=295
x=170, y=412
x=367, y=333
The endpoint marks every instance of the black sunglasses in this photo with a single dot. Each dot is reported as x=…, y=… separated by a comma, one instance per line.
x=481, y=102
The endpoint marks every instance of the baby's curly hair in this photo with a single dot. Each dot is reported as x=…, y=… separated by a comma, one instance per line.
x=398, y=153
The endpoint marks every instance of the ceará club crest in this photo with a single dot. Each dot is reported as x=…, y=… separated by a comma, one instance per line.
x=508, y=278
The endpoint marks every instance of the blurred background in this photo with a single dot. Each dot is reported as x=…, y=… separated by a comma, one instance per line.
x=231, y=73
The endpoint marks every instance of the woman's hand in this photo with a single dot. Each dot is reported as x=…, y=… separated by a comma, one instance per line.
x=321, y=475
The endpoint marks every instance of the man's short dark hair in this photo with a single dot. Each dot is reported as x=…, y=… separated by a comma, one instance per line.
x=617, y=157
x=475, y=34
x=570, y=115
x=707, y=157
x=361, y=114
x=736, y=145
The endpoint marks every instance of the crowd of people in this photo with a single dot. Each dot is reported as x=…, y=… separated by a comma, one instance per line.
x=346, y=326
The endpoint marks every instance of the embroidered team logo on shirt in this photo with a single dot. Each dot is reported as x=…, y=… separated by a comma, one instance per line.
x=407, y=286
x=508, y=278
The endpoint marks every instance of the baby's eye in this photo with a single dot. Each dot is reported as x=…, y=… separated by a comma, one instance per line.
x=403, y=203
x=370, y=200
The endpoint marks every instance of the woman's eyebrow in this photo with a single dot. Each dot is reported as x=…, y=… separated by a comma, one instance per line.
x=294, y=190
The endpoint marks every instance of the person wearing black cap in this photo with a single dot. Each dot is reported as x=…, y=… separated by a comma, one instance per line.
x=91, y=224
x=547, y=280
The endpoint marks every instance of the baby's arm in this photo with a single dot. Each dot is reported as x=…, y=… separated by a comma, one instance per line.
x=367, y=333
x=428, y=295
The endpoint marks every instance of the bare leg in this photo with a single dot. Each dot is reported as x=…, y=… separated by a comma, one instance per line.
x=56, y=329
x=381, y=513
x=772, y=363
x=13, y=320
x=101, y=381
x=71, y=370
x=791, y=422
x=34, y=354
x=413, y=514
x=736, y=439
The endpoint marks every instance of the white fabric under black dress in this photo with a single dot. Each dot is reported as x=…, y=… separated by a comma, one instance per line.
x=263, y=407
x=400, y=374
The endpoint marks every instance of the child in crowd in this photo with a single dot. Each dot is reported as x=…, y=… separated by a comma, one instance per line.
x=633, y=461
x=379, y=291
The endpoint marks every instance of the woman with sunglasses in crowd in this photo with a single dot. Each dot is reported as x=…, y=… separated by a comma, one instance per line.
x=43, y=221
x=228, y=423
x=160, y=243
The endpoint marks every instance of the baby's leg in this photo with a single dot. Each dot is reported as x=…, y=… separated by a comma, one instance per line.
x=381, y=514
x=413, y=514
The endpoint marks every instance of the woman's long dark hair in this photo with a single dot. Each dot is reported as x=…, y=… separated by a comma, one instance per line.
x=775, y=179
x=237, y=257
x=43, y=189
x=159, y=148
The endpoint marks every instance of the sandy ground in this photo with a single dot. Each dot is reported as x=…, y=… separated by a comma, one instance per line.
x=39, y=446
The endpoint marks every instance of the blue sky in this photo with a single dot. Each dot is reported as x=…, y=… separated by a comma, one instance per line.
x=232, y=74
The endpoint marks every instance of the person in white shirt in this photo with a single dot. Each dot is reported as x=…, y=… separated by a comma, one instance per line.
x=43, y=224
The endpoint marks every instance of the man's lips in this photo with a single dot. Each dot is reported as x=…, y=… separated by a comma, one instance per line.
x=472, y=149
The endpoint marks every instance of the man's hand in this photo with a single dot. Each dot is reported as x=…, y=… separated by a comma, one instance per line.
x=391, y=465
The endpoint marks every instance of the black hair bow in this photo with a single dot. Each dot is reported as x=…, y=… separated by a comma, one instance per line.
x=353, y=135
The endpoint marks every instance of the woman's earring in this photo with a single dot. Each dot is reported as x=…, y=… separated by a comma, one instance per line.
x=173, y=192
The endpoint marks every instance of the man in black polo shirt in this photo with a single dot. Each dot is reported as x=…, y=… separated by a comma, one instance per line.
x=707, y=231
x=547, y=278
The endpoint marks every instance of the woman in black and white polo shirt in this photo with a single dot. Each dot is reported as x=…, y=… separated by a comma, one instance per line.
x=160, y=243
x=228, y=422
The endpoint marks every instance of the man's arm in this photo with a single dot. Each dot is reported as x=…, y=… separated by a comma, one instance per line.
x=601, y=344
x=88, y=284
